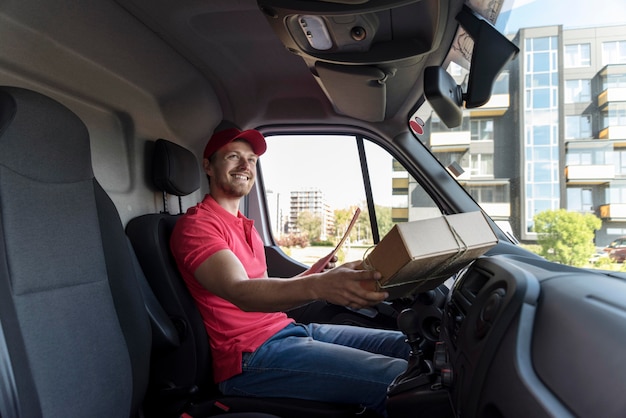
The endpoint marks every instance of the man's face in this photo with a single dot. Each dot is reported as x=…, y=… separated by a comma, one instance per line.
x=232, y=169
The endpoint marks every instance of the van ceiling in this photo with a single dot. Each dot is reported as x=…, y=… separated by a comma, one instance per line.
x=255, y=76
x=221, y=58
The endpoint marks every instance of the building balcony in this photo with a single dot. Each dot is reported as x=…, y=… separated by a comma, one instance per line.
x=400, y=185
x=496, y=210
x=450, y=141
x=613, y=212
x=612, y=94
x=589, y=174
x=613, y=133
x=497, y=105
x=399, y=215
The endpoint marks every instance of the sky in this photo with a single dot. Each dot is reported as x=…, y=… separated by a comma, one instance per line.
x=570, y=13
x=331, y=166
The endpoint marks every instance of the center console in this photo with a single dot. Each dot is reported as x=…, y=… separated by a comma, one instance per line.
x=480, y=307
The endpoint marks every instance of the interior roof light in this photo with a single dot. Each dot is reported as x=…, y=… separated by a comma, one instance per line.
x=316, y=33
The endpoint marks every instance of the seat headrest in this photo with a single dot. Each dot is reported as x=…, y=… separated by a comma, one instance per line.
x=174, y=169
x=42, y=139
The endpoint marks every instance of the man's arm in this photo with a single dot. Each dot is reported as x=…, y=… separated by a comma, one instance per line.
x=223, y=275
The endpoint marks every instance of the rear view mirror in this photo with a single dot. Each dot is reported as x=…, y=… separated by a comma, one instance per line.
x=491, y=52
x=444, y=95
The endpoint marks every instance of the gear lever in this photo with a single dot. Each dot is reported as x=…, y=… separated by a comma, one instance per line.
x=408, y=324
x=418, y=370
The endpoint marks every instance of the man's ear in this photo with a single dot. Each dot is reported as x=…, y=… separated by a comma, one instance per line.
x=206, y=165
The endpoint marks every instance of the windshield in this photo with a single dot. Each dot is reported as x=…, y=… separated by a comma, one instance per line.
x=551, y=141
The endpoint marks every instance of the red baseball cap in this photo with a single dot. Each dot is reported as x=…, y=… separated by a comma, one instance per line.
x=221, y=138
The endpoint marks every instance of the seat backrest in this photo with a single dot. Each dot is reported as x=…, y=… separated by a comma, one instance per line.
x=74, y=334
x=175, y=374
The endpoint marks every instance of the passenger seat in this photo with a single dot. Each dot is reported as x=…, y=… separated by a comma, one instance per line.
x=75, y=335
x=182, y=378
x=75, y=331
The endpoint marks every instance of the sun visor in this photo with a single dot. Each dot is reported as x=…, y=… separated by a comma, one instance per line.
x=359, y=91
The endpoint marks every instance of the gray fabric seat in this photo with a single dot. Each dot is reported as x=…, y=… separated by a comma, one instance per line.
x=76, y=313
x=75, y=337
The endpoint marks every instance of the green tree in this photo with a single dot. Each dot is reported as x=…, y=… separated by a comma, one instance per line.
x=566, y=237
x=363, y=230
x=342, y=220
x=310, y=225
x=383, y=217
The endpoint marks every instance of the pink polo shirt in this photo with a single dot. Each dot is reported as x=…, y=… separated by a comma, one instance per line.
x=204, y=230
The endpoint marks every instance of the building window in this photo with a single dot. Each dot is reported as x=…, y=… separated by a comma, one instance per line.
x=501, y=85
x=615, y=116
x=619, y=159
x=540, y=99
x=436, y=125
x=579, y=200
x=459, y=157
x=541, y=76
x=577, y=55
x=489, y=194
x=541, y=88
x=579, y=158
x=616, y=194
x=614, y=52
x=614, y=81
x=577, y=127
x=481, y=129
x=540, y=135
x=577, y=91
x=591, y=156
x=481, y=164
x=542, y=172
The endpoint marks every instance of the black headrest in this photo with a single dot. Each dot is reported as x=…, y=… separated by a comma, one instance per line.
x=41, y=139
x=175, y=169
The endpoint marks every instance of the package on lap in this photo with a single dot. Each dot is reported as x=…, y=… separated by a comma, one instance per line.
x=420, y=255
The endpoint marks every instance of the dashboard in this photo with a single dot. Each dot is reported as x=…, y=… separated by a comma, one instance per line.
x=523, y=337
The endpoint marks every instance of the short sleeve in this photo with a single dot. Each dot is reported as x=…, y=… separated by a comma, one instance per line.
x=194, y=240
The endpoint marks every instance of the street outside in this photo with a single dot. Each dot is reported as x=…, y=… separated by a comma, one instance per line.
x=309, y=255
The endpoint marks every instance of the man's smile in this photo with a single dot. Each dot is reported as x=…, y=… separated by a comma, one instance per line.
x=241, y=176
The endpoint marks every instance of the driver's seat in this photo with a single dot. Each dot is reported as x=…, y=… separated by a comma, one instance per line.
x=181, y=378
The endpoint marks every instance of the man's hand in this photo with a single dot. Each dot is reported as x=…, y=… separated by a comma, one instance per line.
x=349, y=285
x=332, y=263
x=323, y=264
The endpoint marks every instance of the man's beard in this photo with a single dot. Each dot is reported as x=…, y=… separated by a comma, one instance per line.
x=237, y=190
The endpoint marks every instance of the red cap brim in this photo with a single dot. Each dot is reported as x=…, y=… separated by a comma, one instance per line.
x=221, y=138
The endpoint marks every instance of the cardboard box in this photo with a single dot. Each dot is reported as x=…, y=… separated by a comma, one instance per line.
x=420, y=255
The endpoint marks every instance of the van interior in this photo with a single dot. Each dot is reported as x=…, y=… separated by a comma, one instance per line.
x=105, y=108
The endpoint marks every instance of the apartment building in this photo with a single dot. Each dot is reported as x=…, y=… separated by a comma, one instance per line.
x=553, y=134
x=312, y=201
x=571, y=86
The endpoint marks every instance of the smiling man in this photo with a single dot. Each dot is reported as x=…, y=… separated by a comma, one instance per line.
x=257, y=349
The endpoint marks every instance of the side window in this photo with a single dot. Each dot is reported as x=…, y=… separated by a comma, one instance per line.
x=314, y=183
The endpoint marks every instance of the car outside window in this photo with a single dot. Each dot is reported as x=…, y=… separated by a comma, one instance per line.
x=314, y=183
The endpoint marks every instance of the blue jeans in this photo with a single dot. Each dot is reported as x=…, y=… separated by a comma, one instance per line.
x=330, y=363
